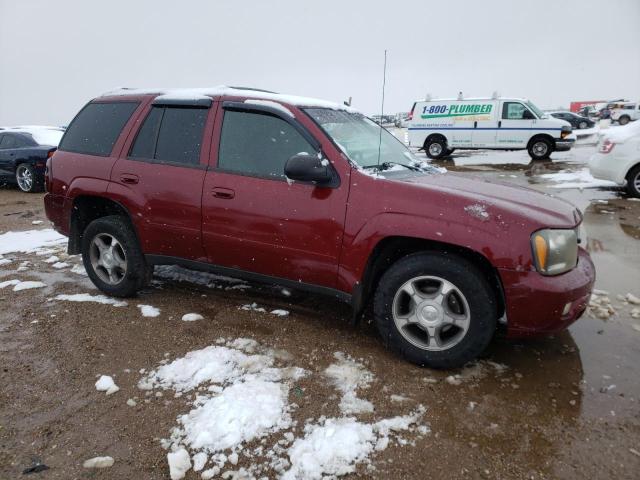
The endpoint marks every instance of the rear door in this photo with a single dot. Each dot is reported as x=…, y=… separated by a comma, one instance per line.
x=253, y=218
x=485, y=125
x=515, y=126
x=159, y=177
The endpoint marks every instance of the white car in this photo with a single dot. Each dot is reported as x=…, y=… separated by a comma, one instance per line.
x=443, y=125
x=618, y=157
x=626, y=112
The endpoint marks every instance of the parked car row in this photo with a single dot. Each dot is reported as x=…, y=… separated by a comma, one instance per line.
x=577, y=121
x=23, y=155
x=314, y=195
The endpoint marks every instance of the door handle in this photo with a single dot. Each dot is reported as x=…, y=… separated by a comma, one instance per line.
x=499, y=123
x=475, y=124
x=225, y=193
x=129, y=178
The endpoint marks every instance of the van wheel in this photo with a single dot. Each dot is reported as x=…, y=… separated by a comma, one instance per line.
x=436, y=148
x=435, y=310
x=540, y=149
x=112, y=257
x=633, y=181
x=623, y=120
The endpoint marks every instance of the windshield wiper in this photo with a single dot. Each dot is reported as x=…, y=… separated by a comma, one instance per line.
x=387, y=165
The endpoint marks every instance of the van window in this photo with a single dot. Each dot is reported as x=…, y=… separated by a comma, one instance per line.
x=96, y=128
x=513, y=111
x=258, y=144
x=171, y=134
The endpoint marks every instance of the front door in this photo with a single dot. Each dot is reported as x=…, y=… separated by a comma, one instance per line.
x=515, y=125
x=253, y=218
x=159, y=179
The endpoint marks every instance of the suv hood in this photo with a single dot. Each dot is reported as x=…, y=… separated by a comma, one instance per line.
x=498, y=197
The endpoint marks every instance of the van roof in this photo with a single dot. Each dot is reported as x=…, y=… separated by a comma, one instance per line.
x=208, y=92
x=467, y=99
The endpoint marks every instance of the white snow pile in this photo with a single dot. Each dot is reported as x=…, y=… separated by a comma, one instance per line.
x=179, y=274
x=60, y=265
x=29, y=241
x=22, y=285
x=86, y=297
x=4, y=261
x=106, y=384
x=78, y=269
x=575, y=179
x=253, y=307
x=347, y=376
x=278, y=312
x=240, y=398
x=98, y=462
x=149, y=311
x=192, y=317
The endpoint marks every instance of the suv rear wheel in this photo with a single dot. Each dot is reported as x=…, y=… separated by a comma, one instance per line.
x=540, y=149
x=435, y=310
x=112, y=257
x=633, y=181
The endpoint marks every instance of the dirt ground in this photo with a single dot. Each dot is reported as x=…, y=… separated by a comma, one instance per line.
x=565, y=407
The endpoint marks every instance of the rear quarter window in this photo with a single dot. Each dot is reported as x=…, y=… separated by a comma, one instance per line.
x=96, y=128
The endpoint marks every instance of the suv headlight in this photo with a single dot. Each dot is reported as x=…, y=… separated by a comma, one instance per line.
x=555, y=251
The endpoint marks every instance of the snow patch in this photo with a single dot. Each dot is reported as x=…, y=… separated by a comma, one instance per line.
x=575, y=179
x=149, y=311
x=106, y=384
x=179, y=463
x=192, y=317
x=86, y=297
x=478, y=211
x=20, y=285
x=347, y=375
x=29, y=241
x=98, y=462
x=271, y=104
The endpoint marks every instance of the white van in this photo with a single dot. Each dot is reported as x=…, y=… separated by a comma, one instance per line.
x=441, y=126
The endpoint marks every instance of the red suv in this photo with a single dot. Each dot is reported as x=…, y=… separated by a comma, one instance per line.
x=313, y=195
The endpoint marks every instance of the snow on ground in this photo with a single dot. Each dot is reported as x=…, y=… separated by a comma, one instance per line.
x=149, y=311
x=86, y=297
x=79, y=269
x=192, y=317
x=239, y=393
x=20, y=285
x=575, y=179
x=98, y=462
x=106, y=384
x=253, y=307
x=348, y=376
x=280, y=313
x=29, y=241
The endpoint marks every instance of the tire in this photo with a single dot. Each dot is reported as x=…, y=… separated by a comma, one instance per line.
x=27, y=179
x=633, y=182
x=450, y=151
x=120, y=270
x=623, y=120
x=540, y=149
x=436, y=148
x=473, y=297
x=582, y=125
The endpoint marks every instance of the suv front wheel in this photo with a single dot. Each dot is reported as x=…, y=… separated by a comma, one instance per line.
x=112, y=257
x=435, y=310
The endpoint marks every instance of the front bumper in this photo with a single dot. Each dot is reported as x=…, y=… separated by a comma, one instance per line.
x=536, y=303
x=564, y=144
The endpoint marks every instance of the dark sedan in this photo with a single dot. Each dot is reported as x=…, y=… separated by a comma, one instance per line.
x=23, y=155
x=577, y=121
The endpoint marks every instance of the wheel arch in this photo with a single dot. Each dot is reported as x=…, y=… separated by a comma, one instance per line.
x=87, y=208
x=539, y=136
x=434, y=136
x=392, y=248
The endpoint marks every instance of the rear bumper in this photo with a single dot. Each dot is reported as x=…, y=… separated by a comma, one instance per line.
x=564, y=144
x=536, y=303
x=606, y=166
x=54, y=209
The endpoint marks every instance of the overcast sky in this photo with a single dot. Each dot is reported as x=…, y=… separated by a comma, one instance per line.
x=58, y=54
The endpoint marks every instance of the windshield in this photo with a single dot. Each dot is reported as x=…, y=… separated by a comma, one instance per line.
x=364, y=142
x=539, y=113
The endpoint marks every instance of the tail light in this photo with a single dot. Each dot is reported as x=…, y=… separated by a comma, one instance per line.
x=607, y=146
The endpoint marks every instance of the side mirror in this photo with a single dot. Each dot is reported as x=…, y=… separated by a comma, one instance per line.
x=527, y=115
x=304, y=167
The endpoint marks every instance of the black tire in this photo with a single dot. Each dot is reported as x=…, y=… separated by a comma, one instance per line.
x=467, y=278
x=582, y=125
x=137, y=274
x=27, y=179
x=624, y=119
x=540, y=148
x=436, y=148
x=633, y=182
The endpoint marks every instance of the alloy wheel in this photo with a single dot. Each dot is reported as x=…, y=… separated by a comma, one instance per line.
x=108, y=258
x=24, y=177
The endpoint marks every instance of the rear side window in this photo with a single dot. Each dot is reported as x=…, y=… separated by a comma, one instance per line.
x=8, y=141
x=172, y=135
x=257, y=144
x=96, y=128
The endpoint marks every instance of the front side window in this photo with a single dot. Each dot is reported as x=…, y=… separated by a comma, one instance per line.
x=172, y=135
x=513, y=111
x=96, y=128
x=258, y=144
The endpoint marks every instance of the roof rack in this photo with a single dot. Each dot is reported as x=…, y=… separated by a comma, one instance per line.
x=253, y=89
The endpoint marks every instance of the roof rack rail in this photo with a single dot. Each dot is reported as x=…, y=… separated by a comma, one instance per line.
x=251, y=88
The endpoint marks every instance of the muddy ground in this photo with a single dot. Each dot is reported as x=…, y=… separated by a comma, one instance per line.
x=565, y=407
